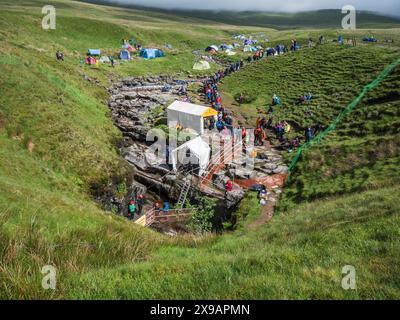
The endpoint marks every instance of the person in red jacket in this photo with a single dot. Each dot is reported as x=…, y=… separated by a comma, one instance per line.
x=229, y=186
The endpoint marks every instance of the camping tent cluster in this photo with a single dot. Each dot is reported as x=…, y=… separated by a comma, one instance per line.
x=93, y=56
x=248, y=43
x=227, y=48
x=246, y=40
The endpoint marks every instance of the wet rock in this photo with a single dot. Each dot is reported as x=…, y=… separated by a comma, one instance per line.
x=234, y=197
x=219, y=180
x=170, y=178
x=130, y=95
x=239, y=173
x=281, y=169
x=135, y=156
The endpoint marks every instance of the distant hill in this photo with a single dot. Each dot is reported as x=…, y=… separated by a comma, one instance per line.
x=330, y=18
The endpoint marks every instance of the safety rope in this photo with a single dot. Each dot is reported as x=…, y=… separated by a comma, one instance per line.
x=350, y=107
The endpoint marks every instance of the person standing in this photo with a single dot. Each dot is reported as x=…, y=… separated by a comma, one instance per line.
x=140, y=202
x=166, y=207
x=229, y=186
x=131, y=210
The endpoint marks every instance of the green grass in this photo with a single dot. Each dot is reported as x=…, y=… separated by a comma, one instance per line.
x=58, y=144
x=363, y=152
x=295, y=256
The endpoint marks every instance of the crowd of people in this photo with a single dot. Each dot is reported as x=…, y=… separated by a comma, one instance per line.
x=225, y=122
x=263, y=53
x=135, y=206
x=210, y=89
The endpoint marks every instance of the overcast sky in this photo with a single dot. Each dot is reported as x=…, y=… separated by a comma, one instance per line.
x=385, y=6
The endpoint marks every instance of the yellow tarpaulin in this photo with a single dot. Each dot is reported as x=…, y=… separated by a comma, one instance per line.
x=210, y=112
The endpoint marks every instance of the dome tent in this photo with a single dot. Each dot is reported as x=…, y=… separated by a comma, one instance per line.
x=370, y=39
x=212, y=48
x=128, y=47
x=247, y=48
x=151, y=53
x=105, y=59
x=124, y=55
x=226, y=47
x=201, y=65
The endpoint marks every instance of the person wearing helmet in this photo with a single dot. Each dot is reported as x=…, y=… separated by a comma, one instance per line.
x=131, y=210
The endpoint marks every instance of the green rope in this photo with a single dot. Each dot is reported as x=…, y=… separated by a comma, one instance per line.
x=350, y=107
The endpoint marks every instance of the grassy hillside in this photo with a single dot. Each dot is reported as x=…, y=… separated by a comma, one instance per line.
x=296, y=256
x=309, y=19
x=58, y=142
x=363, y=152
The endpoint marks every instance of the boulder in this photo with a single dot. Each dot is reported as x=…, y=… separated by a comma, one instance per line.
x=135, y=156
x=234, y=197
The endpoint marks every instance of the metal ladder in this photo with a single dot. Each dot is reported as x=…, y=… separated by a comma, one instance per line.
x=183, y=195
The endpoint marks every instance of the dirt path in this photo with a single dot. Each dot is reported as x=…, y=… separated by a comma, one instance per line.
x=266, y=215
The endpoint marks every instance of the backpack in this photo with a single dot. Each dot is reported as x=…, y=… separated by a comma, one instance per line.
x=132, y=208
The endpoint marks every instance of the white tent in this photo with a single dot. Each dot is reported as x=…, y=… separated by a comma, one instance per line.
x=198, y=147
x=105, y=59
x=247, y=48
x=201, y=65
x=189, y=115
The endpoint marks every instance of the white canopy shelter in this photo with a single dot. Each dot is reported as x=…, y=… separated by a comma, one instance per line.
x=189, y=115
x=198, y=147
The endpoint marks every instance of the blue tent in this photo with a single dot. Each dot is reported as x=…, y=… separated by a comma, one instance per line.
x=94, y=52
x=226, y=47
x=370, y=39
x=124, y=55
x=151, y=53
